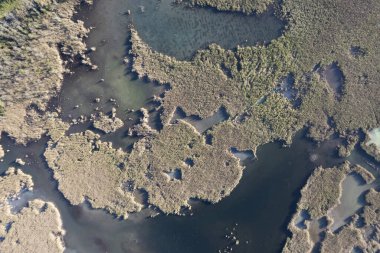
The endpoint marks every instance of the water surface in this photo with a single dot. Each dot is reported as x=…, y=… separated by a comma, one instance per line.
x=179, y=30
x=261, y=206
x=170, y=28
x=258, y=210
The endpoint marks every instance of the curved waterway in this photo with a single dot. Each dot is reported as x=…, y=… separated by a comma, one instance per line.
x=173, y=29
x=258, y=210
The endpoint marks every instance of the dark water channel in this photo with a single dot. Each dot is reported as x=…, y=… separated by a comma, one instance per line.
x=257, y=210
x=261, y=206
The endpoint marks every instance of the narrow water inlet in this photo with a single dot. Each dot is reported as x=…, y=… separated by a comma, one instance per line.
x=302, y=217
x=242, y=154
x=201, y=125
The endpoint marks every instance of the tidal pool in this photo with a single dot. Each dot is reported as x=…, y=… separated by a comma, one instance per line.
x=374, y=137
x=335, y=78
x=202, y=125
x=352, y=199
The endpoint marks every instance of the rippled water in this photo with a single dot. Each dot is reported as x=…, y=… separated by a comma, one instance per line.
x=178, y=30
x=258, y=210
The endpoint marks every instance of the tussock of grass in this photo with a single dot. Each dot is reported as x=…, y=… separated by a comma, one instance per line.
x=7, y=6
x=245, y=6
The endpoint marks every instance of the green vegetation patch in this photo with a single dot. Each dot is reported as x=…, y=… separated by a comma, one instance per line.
x=6, y=6
x=245, y=6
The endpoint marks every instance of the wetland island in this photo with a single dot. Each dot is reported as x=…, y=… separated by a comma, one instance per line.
x=192, y=126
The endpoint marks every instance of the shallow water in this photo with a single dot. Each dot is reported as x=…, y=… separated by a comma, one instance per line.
x=258, y=210
x=374, y=137
x=352, y=199
x=173, y=29
x=170, y=28
x=201, y=125
x=119, y=88
x=179, y=30
x=335, y=78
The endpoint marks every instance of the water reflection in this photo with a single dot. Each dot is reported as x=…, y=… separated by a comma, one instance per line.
x=178, y=30
x=262, y=205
